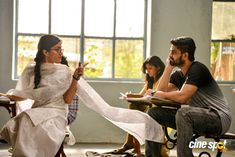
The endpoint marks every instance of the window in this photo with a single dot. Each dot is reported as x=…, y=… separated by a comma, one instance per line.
x=223, y=41
x=109, y=34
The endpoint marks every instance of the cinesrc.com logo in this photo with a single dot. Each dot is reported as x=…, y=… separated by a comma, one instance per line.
x=209, y=145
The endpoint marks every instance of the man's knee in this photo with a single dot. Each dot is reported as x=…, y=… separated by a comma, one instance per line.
x=182, y=113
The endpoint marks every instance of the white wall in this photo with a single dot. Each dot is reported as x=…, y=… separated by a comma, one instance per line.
x=6, y=27
x=170, y=18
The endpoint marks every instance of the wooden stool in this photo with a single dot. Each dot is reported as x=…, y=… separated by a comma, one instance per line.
x=10, y=106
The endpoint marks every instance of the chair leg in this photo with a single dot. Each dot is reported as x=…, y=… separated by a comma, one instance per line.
x=61, y=149
x=63, y=153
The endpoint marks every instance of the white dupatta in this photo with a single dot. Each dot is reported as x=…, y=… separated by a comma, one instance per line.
x=136, y=123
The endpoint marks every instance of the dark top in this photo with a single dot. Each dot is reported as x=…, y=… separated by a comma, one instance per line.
x=208, y=94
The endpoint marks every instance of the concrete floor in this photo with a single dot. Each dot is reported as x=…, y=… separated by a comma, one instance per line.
x=79, y=150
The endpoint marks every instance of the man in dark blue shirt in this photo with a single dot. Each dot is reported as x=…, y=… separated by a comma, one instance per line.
x=204, y=109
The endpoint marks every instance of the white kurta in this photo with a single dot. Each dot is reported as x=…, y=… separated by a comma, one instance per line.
x=40, y=131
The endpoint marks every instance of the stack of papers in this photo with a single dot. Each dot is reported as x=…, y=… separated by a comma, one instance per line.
x=154, y=100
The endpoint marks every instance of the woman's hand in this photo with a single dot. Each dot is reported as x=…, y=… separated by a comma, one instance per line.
x=68, y=95
x=150, y=92
x=159, y=94
x=79, y=71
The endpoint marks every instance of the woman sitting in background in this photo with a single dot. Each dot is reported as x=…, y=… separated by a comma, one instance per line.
x=153, y=68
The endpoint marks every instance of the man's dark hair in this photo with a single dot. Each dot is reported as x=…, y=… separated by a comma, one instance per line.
x=185, y=44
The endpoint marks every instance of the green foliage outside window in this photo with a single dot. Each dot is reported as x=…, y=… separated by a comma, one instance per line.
x=98, y=53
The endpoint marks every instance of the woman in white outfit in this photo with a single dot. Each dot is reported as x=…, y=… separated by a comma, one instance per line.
x=39, y=131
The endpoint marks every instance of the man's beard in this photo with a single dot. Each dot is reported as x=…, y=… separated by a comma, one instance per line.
x=178, y=63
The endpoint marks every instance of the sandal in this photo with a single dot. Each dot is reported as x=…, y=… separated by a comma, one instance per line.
x=123, y=149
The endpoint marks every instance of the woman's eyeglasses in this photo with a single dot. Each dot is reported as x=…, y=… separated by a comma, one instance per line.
x=58, y=50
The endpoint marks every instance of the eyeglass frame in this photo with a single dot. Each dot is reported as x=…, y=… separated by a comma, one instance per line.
x=59, y=50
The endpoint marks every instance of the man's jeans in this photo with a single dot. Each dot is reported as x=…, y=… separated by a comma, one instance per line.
x=187, y=120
